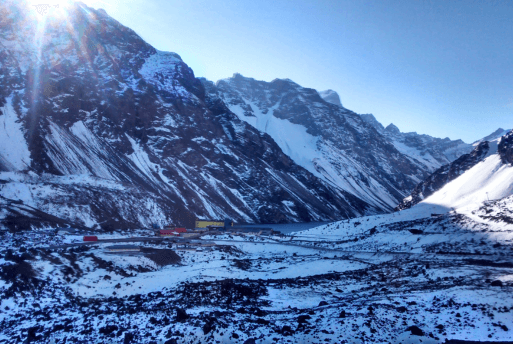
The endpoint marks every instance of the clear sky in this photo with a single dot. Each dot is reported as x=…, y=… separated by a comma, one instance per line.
x=443, y=68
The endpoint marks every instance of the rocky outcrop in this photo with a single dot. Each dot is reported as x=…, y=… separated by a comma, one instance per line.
x=505, y=148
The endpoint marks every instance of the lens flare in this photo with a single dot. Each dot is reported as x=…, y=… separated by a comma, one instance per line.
x=48, y=7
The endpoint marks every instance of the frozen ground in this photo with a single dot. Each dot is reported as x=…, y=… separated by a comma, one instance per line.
x=270, y=290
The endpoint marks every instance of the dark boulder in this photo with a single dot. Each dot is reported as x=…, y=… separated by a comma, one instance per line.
x=129, y=337
x=207, y=327
x=287, y=331
x=496, y=283
x=416, y=331
x=181, y=315
x=303, y=319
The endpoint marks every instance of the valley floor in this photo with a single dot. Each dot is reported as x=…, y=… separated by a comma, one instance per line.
x=396, y=278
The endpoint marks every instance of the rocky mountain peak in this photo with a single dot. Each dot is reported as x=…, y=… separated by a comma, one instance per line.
x=393, y=129
x=494, y=136
x=331, y=97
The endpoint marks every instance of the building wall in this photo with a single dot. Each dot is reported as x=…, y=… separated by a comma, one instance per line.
x=204, y=224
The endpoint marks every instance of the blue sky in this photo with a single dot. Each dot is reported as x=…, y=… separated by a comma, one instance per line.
x=443, y=68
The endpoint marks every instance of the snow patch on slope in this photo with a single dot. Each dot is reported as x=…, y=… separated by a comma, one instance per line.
x=14, y=150
x=489, y=179
x=293, y=139
x=157, y=62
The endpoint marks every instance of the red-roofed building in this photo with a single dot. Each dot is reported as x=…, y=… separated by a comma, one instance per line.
x=172, y=232
x=168, y=232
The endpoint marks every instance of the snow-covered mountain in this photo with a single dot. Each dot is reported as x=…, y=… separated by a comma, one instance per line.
x=447, y=173
x=352, y=152
x=99, y=128
x=493, y=136
x=426, y=151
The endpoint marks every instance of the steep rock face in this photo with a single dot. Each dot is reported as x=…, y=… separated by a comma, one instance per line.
x=100, y=128
x=328, y=140
x=428, y=152
x=505, y=148
x=447, y=173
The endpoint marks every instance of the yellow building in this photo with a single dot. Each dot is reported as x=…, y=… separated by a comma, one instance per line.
x=205, y=223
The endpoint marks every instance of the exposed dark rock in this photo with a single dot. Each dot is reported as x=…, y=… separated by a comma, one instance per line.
x=207, y=327
x=129, y=337
x=287, y=331
x=505, y=148
x=496, y=283
x=415, y=330
x=181, y=315
x=108, y=329
x=303, y=319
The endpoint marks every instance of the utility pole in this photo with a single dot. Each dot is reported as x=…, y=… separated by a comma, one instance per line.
x=487, y=197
